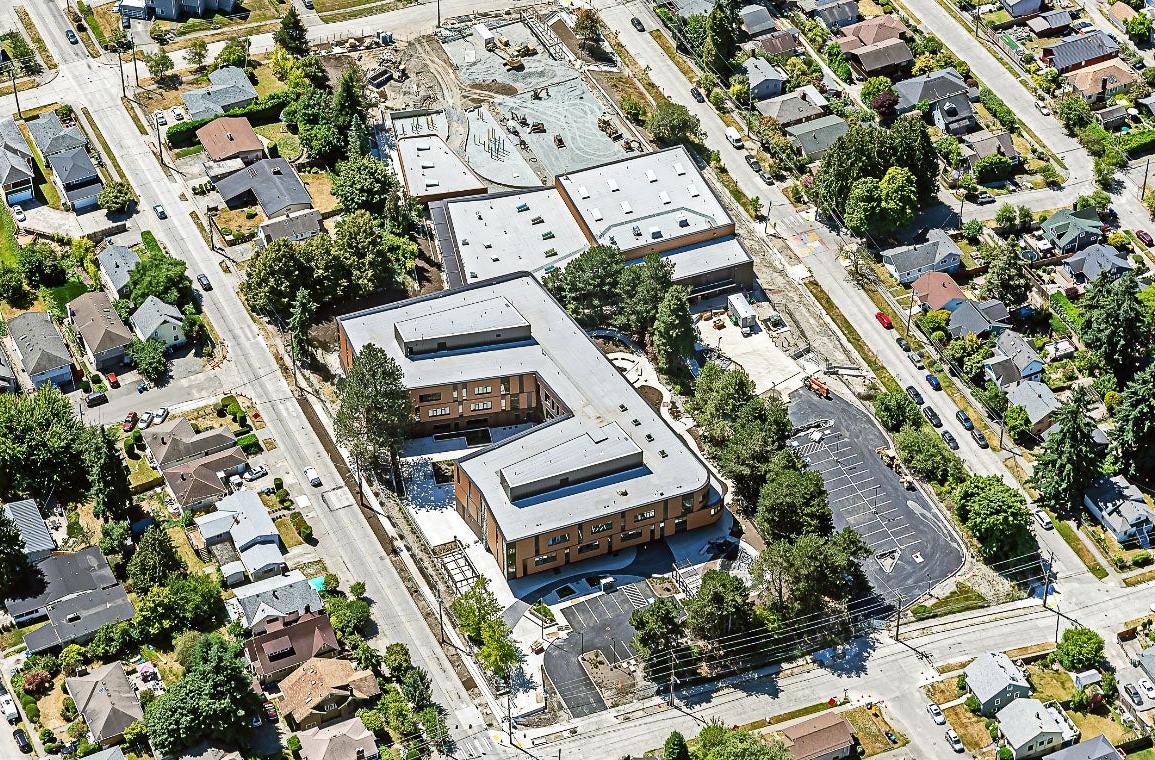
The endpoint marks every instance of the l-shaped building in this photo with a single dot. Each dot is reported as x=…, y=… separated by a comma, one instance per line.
x=599, y=471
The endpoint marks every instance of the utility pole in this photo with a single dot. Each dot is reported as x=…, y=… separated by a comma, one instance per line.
x=898, y=619
x=15, y=93
x=1143, y=187
x=1047, y=577
x=123, y=89
x=1057, y=618
x=509, y=702
x=441, y=616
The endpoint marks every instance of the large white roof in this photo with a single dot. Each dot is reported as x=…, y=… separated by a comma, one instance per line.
x=430, y=168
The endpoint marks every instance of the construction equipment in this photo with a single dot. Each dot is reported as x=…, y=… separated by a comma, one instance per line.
x=514, y=63
x=818, y=387
x=718, y=324
x=558, y=142
x=536, y=128
x=526, y=50
x=607, y=125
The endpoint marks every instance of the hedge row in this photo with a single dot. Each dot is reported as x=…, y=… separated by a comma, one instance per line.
x=1137, y=142
x=999, y=110
x=249, y=444
x=261, y=111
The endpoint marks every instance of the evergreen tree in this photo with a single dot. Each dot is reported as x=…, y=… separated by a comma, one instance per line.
x=350, y=101
x=1006, y=279
x=374, y=414
x=1070, y=460
x=291, y=35
x=1116, y=326
x=154, y=561
x=720, y=45
x=674, y=335
x=640, y=292
x=13, y=561
x=300, y=318
x=675, y=748
x=1134, y=433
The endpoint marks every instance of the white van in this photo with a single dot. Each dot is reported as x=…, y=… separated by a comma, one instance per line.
x=735, y=138
x=312, y=477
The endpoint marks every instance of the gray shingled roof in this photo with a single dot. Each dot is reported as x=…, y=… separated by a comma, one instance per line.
x=117, y=261
x=1064, y=226
x=152, y=314
x=1024, y=719
x=52, y=137
x=1017, y=348
x=78, y=617
x=1036, y=398
x=1078, y=48
x=755, y=19
x=1098, y=259
x=230, y=87
x=760, y=70
x=63, y=575
x=272, y=181
x=1045, y=22
x=72, y=166
x=1095, y=748
x=15, y=156
x=98, y=323
x=300, y=225
x=31, y=525
x=977, y=318
x=932, y=87
x=816, y=136
x=908, y=258
x=40, y=345
x=880, y=55
x=280, y=595
x=106, y=699
x=991, y=674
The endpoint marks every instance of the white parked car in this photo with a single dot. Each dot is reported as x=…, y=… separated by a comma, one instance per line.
x=18, y=213
x=1043, y=519
x=160, y=119
x=936, y=714
x=312, y=477
x=177, y=114
x=8, y=707
x=955, y=742
x=144, y=421
x=255, y=473
x=160, y=415
x=1148, y=689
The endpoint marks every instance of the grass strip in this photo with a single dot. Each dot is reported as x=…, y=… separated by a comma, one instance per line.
x=852, y=335
x=134, y=116
x=632, y=64
x=8, y=246
x=34, y=35
x=801, y=712
x=1072, y=538
x=148, y=240
x=364, y=10
x=104, y=147
x=672, y=53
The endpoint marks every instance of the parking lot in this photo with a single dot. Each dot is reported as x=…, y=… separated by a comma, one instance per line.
x=912, y=546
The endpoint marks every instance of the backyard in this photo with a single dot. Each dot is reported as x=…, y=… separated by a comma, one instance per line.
x=288, y=145
x=971, y=728
x=320, y=186
x=1050, y=684
x=871, y=729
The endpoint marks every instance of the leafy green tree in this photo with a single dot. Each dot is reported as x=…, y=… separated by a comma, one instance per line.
x=865, y=215
x=148, y=356
x=192, y=323
x=116, y=196
x=291, y=34
x=185, y=601
x=1116, y=326
x=12, y=287
x=373, y=257
x=589, y=287
x=720, y=44
x=300, y=318
x=348, y=616
x=13, y=561
x=112, y=640
x=1139, y=28
x=797, y=576
x=115, y=538
x=154, y=562
x=755, y=446
x=993, y=167
x=996, y=515
x=160, y=64
x=435, y=729
x=674, y=334
x=1080, y=649
x=41, y=264
x=160, y=275
x=322, y=141
x=734, y=744
x=397, y=659
x=1017, y=421
x=497, y=653
x=925, y=453
x=184, y=646
x=234, y=53
x=719, y=394
x=71, y=658
x=373, y=413
x=197, y=52
x=875, y=86
x=417, y=688
x=1006, y=217
x=675, y=748
x=899, y=195
x=277, y=272
x=967, y=354
x=357, y=143
x=364, y=182
x=351, y=99
x=671, y=122
x=1133, y=435
x=896, y=410
x=474, y=609
x=792, y=503
x=588, y=28
x=658, y=632
x=1070, y=460
x=1006, y=278
x=641, y=288
x=108, y=484
x=720, y=607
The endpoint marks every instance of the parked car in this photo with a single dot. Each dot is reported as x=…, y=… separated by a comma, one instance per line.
x=636, y=23
x=160, y=119
x=203, y=281
x=1042, y=108
x=950, y=440
x=96, y=398
x=159, y=211
x=1145, y=236
x=915, y=396
x=177, y=113
x=1042, y=518
x=932, y=416
x=964, y=420
x=255, y=721
x=255, y=473
x=916, y=359
x=766, y=177
x=954, y=742
x=129, y=422
x=18, y=213
x=984, y=198
x=125, y=22
x=113, y=380
x=1133, y=693
x=980, y=439
x=8, y=707
x=312, y=477
x=902, y=343
x=936, y=714
x=1148, y=689
x=144, y=421
x=270, y=709
x=160, y=415
x=697, y=95
x=72, y=38
x=884, y=320
x=933, y=382
x=19, y=736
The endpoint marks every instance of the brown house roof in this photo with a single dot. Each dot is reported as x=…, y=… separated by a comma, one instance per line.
x=175, y=441
x=936, y=290
x=286, y=646
x=871, y=32
x=309, y=685
x=1102, y=76
x=881, y=55
x=196, y=480
x=98, y=323
x=228, y=137
x=818, y=736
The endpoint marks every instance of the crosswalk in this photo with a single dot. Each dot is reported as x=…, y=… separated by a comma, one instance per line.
x=635, y=597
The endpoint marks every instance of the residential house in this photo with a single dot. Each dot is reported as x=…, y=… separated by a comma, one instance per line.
x=1102, y=81
x=1050, y=23
x=686, y=8
x=208, y=751
x=157, y=320
x=1014, y=360
x=814, y=137
x=1038, y=401
x=1096, y=748
x=347, y=740
x=8, y=382
x=102, y=333
x=242, y=538
x=890, y=58
x=38, y=542
x=978, y=145
x=755, y=20
x=948, y=96
x=110, y=753
x=323, y=690
x=834, y=13
x=827, y=736
x=229, y=88
x=116, y=262
x=1078, y=51
x=871, y=32
x=231, y=137
x=218, y=170
x=271, y=183
x=1095, y=261
x=1121, y=509
x=995, y=681
x=174, y=441
x=40, y=349
x=198, y=483
x=16, y=173
x=281, y=648
x=107, y=701
x=171, y=10
x=979, y=318
x=51, y=136
x=1111, y=117
x=909, y=262
x=784, y=41
x=766, y=79
x=1069, y=231
x=1021, y=8
x=936, y=291
x=801, y=105
x=1032, y=728
x=283, y=600
x=1119, y=13
x=76, y=178
x=297, y=226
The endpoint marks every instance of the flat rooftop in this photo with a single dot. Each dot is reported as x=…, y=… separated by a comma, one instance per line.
x=632, y=456
x=513, y=232
x=647, y=198
x=703, y=258
x=430, y=168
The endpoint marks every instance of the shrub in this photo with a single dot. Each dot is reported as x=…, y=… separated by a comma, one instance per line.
x=235, y=410
x=1141, y=558
x=999, y=110
x=68, y=709
x=972, y=704
x=921, y=612
x=332, y=582
x=31, y=710
x=249, y=444
x=281, y=494
x=961, y=682
x=36, y=681
x=278, y=484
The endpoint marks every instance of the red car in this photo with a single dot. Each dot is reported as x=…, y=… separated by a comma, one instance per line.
x=884, y=320
x=113, y=380
x=1145, y=237
x=270, y=709
x=130, y=422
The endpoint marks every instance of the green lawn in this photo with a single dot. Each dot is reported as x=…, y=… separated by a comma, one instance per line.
x=56, y=299
x=148, y=240
x=288, y=144
x=1050, y=685
x=8, y=245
